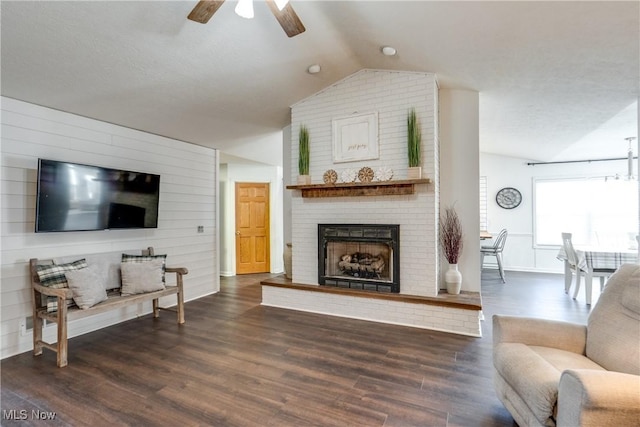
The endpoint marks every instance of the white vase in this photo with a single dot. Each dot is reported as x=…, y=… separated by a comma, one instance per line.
x=304, y=179
x=414, y=172
x=453, y=279
x=287, y=260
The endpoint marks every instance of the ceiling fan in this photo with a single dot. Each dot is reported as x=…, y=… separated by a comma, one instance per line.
x=281, y=9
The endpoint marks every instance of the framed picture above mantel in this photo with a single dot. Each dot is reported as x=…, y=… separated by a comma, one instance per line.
x=355, y=138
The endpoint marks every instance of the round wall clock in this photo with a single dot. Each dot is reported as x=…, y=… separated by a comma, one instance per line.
x=508, y=198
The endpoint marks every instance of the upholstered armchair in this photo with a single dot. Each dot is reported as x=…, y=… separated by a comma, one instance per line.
x=553, y=373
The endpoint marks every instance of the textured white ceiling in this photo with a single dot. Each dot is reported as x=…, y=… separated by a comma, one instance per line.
x=557, y=80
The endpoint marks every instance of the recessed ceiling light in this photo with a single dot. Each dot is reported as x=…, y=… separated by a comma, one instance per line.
x=389, y=51
x=313, y=69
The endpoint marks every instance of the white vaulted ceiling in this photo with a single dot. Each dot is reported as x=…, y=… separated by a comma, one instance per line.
x=557, y=80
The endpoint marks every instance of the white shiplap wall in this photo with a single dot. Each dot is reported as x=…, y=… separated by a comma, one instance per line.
x=390, y=94
x=187, y=200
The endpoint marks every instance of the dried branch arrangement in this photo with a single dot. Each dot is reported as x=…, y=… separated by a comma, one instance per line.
x=451, y=235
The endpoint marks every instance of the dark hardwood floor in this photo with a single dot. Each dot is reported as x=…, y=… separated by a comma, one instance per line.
x=236, y=363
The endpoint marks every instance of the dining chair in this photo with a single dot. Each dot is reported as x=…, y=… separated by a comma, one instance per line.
x=589, y=272
x=571, y=264
x=495, y=250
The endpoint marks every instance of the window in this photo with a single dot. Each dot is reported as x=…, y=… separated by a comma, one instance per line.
x=484, y=224
x=595, y=210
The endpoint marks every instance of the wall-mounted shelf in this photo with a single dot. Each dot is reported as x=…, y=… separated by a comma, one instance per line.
x=351, y=189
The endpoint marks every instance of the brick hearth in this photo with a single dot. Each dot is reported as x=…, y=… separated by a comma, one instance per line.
x=444, y=312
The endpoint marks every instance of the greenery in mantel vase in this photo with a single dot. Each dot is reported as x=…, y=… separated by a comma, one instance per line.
x=414, y=138
x=303, y=159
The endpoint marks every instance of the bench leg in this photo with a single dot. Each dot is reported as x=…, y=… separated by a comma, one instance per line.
x=62, y=333
x=180, y=296
x=156, y=308
x=38, y=323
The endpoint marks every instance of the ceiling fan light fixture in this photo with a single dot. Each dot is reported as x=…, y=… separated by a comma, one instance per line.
x=244, y=8
x=281, y=3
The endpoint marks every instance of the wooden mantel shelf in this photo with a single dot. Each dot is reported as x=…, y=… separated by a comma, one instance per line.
x=350, y=189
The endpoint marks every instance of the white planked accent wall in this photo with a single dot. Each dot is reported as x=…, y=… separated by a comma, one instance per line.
x=187, y=200
x=391, y=94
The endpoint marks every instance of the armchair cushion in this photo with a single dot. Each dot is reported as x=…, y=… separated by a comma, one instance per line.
x=614, y=320
x=539, y=389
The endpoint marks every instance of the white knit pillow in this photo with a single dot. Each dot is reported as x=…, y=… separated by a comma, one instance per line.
x=87, y=285
x=142, y=277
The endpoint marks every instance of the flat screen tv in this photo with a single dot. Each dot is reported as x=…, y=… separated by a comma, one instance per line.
x=77, y=197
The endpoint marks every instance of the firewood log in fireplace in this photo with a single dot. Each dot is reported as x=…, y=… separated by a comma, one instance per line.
x=362, y=265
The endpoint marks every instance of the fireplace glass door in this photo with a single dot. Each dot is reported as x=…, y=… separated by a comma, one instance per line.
x=359, y=256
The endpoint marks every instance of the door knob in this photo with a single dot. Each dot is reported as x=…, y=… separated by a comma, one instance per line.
x=237, y=233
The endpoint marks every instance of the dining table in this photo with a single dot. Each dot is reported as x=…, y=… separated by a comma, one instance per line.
x=598, y=258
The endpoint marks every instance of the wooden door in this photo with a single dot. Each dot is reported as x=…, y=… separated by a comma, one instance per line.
x=252, y=228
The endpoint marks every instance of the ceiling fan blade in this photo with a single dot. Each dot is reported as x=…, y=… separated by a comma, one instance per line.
x=204, y=10
x=287, y=18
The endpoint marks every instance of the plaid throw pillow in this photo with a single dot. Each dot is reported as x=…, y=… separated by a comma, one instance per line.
x=52, y=276
x=146, y=258
x=52, y=303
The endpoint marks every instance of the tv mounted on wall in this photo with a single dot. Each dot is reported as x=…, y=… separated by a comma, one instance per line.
x=77, y=197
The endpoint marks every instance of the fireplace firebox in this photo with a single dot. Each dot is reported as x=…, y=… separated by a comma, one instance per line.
x=359, y=256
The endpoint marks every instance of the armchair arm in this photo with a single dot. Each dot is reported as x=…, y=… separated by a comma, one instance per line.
x=591, y=398
x=540, y=332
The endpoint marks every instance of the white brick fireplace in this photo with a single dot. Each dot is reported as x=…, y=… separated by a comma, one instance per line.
x=390, y=95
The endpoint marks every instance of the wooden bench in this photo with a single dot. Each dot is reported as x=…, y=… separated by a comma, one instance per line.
x=65, y=314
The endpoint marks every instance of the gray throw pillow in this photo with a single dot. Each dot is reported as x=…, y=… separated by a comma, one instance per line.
x=87, y=286
x=145, y=258
x=142, y=277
